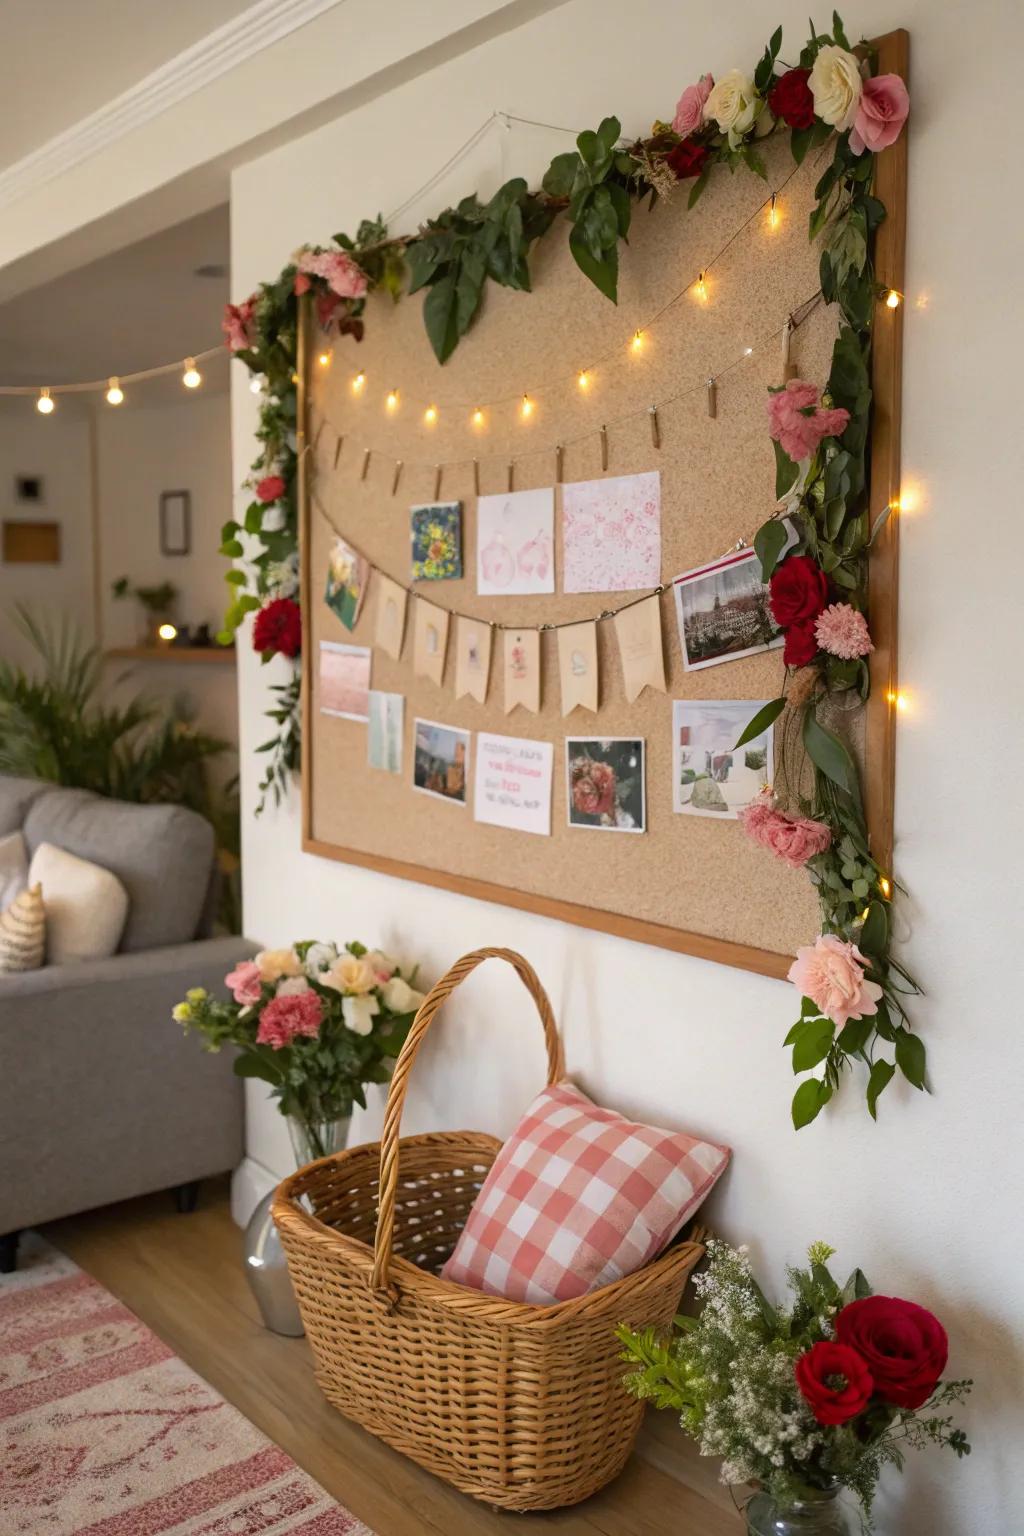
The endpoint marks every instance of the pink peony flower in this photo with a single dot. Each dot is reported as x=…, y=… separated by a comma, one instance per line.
x=831, y=973
x=797, y=433
x=239, y=325
x=842, y=631
x=285, y=1018
x=883, y=109
x=794, y=839
x=342, y=275
x=690, y=106
x=244, y=982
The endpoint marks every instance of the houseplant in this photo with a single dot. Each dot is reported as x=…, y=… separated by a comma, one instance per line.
x=803, y=1400
x=157, y=605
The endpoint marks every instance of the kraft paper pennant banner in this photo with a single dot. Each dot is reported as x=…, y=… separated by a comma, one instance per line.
x=640, y=646
x=522, y=669
x=472, y=658
x=577, y=666
x=430, y=641
x=391, y=601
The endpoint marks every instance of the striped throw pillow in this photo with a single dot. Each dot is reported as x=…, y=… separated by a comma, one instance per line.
x=23, y=932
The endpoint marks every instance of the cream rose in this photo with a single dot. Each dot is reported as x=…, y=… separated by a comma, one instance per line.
x=400, y=997
x=350, y=973
x=734, y=104
x=836, y=86
x=275, y=963
x=358, y=1013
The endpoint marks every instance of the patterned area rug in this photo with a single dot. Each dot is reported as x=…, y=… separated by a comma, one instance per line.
x=105, y=1432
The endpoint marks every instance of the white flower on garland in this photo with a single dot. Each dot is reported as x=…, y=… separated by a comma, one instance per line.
x=282, y=576
x=734, y=105
x=836, y=86
x=359, y=1012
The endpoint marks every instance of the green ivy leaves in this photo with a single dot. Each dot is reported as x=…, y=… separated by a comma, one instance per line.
x=599, y=205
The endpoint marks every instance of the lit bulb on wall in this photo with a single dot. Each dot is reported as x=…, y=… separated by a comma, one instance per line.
x=638, y=341
x=583, y=379
x=115, y=394
x=477, y=417
x=893, y=299
x=700, y=288
x=191, y=378
x=358, y=383
x=392, y=399
x=167, y=632
x=773, y=212
x=430, y=415
x=526, y=409
x=884, y=886
x=45, y=403
x=324, y=359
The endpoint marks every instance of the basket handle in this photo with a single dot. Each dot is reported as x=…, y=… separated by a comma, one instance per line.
x=379, y=1282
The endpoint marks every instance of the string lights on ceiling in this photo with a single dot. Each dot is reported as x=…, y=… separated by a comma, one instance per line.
x=112, y=388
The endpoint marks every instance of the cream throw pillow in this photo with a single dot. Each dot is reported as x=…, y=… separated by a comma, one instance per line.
x=86, y=906
x=23, y=933
x=13, y=868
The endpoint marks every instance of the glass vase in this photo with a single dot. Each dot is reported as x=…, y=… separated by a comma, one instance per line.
x=312, y=1139
x=816, y=1512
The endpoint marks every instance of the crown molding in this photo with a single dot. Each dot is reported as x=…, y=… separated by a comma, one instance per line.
x=213, y=56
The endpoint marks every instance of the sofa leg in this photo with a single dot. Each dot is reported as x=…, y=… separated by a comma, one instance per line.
x=9, y=1253
x=186, y=1197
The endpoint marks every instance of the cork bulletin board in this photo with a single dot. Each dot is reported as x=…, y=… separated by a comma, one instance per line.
x=694, y=884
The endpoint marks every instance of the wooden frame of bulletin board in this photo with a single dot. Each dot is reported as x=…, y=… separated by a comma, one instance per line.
x=720, y=488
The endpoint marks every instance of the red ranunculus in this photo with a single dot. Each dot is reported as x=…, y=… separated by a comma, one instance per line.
x=687, y=159
x=834, y=1380
x=797, y=591
x=278, y=628
x=270, y=488
x=903, y=1345
x=801, y=644
x=790, y=98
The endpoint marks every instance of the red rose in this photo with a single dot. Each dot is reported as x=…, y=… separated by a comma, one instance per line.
x=834, y=1380
x=278, y=628
x=687, y=159
x=270, y=488
x=801, y=645
x=903, y=1345
x=593, y=790
x=790, y=98
x=797, y=591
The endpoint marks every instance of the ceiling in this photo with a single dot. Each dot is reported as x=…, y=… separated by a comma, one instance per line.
x=113, y=43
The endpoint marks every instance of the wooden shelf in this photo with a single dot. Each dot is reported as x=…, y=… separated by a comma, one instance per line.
x=209, y=654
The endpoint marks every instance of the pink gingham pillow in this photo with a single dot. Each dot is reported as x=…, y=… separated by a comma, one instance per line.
x=578, y=1197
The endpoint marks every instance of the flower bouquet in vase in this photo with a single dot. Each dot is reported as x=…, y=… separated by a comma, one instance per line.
x=316, y=1024
x=801, y=1400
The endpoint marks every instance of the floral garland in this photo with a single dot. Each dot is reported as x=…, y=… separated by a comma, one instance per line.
x=852, y=987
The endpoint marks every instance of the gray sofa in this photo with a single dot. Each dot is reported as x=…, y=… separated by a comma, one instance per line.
x=102, y=1096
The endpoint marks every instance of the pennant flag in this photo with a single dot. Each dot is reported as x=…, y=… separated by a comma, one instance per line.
x=577, y=666
x=638, y=629
x=391, y=603
x=522, y=669
x=430, y=641
x=472, y=658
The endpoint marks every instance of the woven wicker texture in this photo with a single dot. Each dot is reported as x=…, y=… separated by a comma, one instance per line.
x=520, y=1406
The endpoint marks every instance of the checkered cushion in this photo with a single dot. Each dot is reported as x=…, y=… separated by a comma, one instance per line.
x=578, y=1197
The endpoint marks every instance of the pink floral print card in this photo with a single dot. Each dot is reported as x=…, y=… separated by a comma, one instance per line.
x=612, y=533
x=515, y=551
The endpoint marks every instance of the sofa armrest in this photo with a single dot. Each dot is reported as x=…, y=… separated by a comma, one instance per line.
x=202, y=963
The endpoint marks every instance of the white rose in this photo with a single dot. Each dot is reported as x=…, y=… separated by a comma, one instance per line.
x=350, y=973
x=275, y=963
x=292, y=986
x=358, y=1013
x=320, y=957
x=836, y=86
x=400, y=997
x=734, y=104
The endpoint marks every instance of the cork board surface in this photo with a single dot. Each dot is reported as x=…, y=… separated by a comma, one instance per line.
x=694, y=875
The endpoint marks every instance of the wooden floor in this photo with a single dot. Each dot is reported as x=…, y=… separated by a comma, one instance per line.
x=183, y=1276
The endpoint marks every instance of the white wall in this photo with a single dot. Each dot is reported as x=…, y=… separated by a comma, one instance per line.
x=928, y=1200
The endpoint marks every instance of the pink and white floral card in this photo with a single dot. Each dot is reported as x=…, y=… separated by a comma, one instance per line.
x=612, y=533
x=515, y=545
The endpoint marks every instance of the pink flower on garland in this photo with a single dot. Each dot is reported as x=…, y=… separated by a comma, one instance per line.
x=270, y=488
x=798, y=423
x=842, y=631
x=794, y=839
x=244, y=981
x=342, y=275
x=883, y=109
x=301, y=284
x=831, y=973
x=285, y=1019
x=690, y=106
x=239, y=324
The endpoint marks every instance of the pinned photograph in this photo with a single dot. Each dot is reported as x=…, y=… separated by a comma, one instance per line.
x=711, y=776
x=441, y=761
x=605, y=783
x=347, y=575
x=722, y=611
x=516, y=543
x=437, y=541
x=384, y=738
x=611, y=532
x=344, y=680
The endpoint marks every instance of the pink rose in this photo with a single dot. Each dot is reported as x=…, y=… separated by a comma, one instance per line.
x=286, y=1018
x=690, y=106
x=797, y=433
x=794, y=839
x=239, y=325
x=831, y=973
x=301, y=285
x=881, y=113
x=342, y=275
x=244, y=982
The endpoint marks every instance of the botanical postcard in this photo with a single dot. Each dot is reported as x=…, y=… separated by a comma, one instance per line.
x=611, y=532
x=722, y=611
x=441, y=761
x=437, y=541
x=384, y=738
x=605, y=783
x=512, y=783
x=344, y=680
x=515, y=543
x=711, y=776
x=347, y=574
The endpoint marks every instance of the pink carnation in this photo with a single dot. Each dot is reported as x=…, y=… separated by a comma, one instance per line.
x=342, y=275
x=831, y=973
x=690, y=106
x=883, y=109
x=285, y=1018
x=842, y=631
x=798, y=423
x=795, y=839
x=244, y=982
x=238, y=324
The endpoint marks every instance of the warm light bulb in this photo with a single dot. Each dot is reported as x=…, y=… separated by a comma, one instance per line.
x=392, y=399
x=167, y=632
x=773, y=213
x=324, y=359
x=478, y=417
x=583, y=379
x=892, y=299
x=191, y=378
x=115, y=394
x=637, y=341
x=45, y=403
x=526, y=409
x=748, y=351
x=430, y=415
x=897, y=699
x=884, y=886
x=358, y=382
x=700, y=288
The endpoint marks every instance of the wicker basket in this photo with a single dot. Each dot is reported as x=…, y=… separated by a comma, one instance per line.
x=521, y=1406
